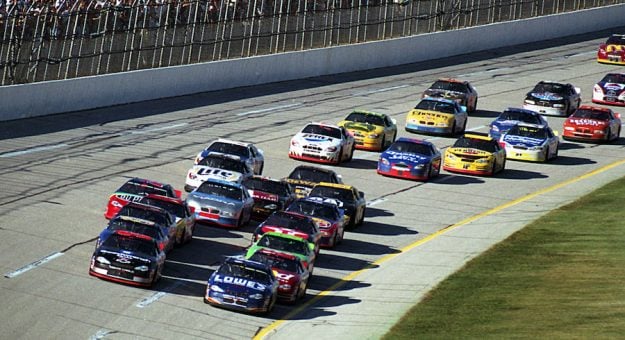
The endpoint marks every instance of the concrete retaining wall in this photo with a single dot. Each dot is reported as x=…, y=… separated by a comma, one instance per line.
x=29, y=100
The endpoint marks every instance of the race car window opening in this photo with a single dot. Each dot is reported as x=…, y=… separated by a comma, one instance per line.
x=227, y=148
x=142, y=189
x=273, y=187
x=216, y=189
x=276, y=262
x=237, y=270
x=414, y=148
x=479, y=144
x=322, y=130
x=131, y=244
x=432, y=105
x=224, y=164
x=449, y=86
x=284, y=244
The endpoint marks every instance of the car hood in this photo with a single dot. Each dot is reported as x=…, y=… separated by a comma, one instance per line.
x=365, y=127
x=444, y=94
x=399, y=157
x=545, y=96
x=315, y=138
x=235, y=283
x=212, y=200
x=523, y=141
x=612, y=86
x=205, y=172
x=586, y=122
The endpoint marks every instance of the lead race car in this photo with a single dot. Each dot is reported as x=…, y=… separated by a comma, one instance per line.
x=460, y=91
x=322, y=143
x=612, y=51
x=372, y=131
x=437, y=116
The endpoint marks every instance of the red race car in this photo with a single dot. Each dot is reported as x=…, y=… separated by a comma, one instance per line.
x=289, y=271
x=133, y=190
x=592, y=123
x=613, y=50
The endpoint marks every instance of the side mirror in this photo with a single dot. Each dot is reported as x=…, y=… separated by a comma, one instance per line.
x=578, y=90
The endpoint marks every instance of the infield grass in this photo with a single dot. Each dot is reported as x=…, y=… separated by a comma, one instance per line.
x=561, y=277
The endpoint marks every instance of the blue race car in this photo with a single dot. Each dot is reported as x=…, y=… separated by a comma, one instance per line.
x=222, y=203
x=242, y=285
x=410, y=158
x=511, y=117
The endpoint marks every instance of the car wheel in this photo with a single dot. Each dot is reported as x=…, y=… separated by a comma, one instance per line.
x=240, y=221
x=303, y=291
x=474, y=106
x=453, y=129
x=503, y=165
x=547, y=151
x=335, y=240
x=618, y=134
x=384, y=144
x=351, y=153
x=272, y=303
x=609, y=135
x=262, y=166
x=341, y=237
x=181, y=240
x=362, y=217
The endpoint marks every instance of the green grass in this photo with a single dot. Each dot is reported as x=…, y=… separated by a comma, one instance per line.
x=562, y=277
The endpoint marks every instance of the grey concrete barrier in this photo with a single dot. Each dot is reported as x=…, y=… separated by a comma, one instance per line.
x=44, y=98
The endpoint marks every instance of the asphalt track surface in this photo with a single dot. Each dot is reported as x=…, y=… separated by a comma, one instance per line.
x=57, y=173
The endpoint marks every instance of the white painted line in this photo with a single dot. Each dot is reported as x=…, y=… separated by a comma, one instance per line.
x=157, y=295
x=35, y=149
x=275, y=108
x=101, y=334
x=376, y=201
x=32, y=265
x=379, y=90
x=150, y=299
x=168, y=127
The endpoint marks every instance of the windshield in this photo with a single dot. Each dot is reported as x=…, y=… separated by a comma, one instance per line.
x=414, y=148
x=528, y=131
x=144, y=214
x=276, y=261
x=273, y=187
x=242, y=271
x=320, y=210
x=228, y=148
x=139, y=228
x=361, y=117
x=433, y=105
x=284, y=244
x=174, y=208
x=290, y=221
x=591, y=114
x=324, y=130
x=519, y=116
x=312, y=175
x=343, y=195
x=474, y=143
x=130, y=244
x=551, y=88
x=218, y=189
x=449, y=86
x=614, y=78
x=224, y=163
x=143, y=189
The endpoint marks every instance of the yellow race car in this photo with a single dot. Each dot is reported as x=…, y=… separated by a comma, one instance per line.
x=475, y=154
x=437, y=116
x=371, y=130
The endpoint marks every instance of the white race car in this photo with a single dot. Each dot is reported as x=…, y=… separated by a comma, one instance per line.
x=248, y=152
x=217, y=166
x=322, y=143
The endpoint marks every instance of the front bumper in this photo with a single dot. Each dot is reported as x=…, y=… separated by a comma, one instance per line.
x=526, y=155
x=318, y=157
x=419, y=128
x=546, y=110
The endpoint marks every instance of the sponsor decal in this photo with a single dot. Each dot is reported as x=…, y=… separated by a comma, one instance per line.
x=316, y=138
x=239, y=282
x=586, y=121
x=546, y=96
x=517, y=140
x=397, y=156
x=359, y=126
x=613, y=86
x=263, y=195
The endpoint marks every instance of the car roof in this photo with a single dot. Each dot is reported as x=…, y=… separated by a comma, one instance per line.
x=478, y=135
x=518, y=109
x=175, y=200
x=230, y=141
x=453, y=80
x=281, y=235
x=368, y=112
x=222, y=182
x=324, y=124
x=442, y=100
x=334, y=185
x=594, y=108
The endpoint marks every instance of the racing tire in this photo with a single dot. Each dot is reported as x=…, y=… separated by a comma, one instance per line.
x=240, y=221
x=453, y=129
x=351, y=153
x=260, y=172
x=384, y=144
x=190, y=238
x=340, y=241
x=608, y=134
x=555, y=154
x=547, y=155
x=618, y=134
x=503, y=165
x=474, y=106
x=180, y=241
x=492, y=169
x=362, y=217
x=335, y=240
x=303, y=291
x=272, y=303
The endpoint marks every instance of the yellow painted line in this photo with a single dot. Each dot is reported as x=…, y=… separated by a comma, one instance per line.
x=274, y=325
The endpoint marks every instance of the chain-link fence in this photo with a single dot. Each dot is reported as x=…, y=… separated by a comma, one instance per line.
x=48, y=40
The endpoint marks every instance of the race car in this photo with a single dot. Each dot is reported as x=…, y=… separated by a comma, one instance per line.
x=530, y=142
x=327, y=215
x=475, y=154
x=553, y=98
x=410, y=158
x=322, y=143
x=511, y=117
x=128, y=257
x=136, y=225
x=304, y=177
x=217, y=166
x=610, y=90
x=133, y=190
x=270, y=195
x=185, y=219
x=350, y=199
x=592, y=124
x=371, y=130
x=294, y=245
x=613, y=50
x=242, y=285
x=247, y=152
x=460, y=91
x=292, y=224
x=288, y=269
x=221, y=203
x=437, y=116
x=159, y=216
